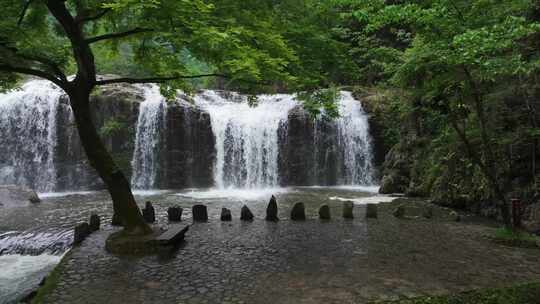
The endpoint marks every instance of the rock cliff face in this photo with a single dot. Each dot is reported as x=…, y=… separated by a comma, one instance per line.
x=296, y=146
x=185, y=159
x=189, y=152
x=115, y=111
x=309, y=150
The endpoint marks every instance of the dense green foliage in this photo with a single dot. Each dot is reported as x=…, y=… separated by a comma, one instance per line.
x=464, y=74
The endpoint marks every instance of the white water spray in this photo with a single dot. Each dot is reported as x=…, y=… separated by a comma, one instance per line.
x=354, y=142
x=246, y=138
x=148, y=140
x=28, y=135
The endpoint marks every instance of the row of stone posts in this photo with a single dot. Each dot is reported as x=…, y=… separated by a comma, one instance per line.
x=200, y=212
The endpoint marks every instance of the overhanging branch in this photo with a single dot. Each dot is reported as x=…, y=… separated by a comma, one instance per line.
x=118, y=35
x=23, y=12
x=161, y=79
x=33, y=72
x=156, y=79
x=82, y=20
x=53, y=66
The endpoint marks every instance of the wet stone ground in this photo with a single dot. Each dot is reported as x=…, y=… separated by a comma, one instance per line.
x=340, y=261
x=219, y=263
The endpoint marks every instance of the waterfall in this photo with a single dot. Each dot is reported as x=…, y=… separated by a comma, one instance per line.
x=255, y=146
x=28, y=135
x=354, y=142
x=148, y=139
x=246, y=137
x=247, y=140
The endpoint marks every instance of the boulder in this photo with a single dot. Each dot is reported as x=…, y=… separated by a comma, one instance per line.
x=175, y=214
x=371, y=211
x=399, y=212
x=200, y=213
x=12, y=195
x=81, y=232
x=298, y=212
x=149, y=213
x=324, y=212
x=95, y=222
x=393, y=183
x=348, y=210
x=245, y=214
x=272, y=210
x=226, y=215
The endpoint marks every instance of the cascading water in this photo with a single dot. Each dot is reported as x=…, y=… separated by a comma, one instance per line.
x=148, y=139
x=354, y=142
x=249, y=150
x=246, y=138
x=28, y=135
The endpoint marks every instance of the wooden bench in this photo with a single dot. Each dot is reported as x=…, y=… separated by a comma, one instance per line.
x=174, y=235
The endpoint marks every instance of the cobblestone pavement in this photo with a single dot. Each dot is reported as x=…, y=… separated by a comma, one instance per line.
x=338, y=261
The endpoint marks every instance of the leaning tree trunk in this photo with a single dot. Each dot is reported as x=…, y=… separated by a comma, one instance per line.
x=123, y=201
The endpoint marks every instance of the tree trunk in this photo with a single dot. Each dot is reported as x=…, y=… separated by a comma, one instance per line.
x=486, y=170
x=119, y=188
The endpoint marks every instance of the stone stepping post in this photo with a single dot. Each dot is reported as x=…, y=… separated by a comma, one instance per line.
x=245, y=214
x=348, y=210
x=324, y=212
x=175, y=214
x=371, y=211
x=200, y=213
x=116, y=221
x=399, y=212
x=226, y=215
x=149, y=213
x=428, y=212
x=81, y=232
x=95, y=222
x=298, y=212
x=272, y=210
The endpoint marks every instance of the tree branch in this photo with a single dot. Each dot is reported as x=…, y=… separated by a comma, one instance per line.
x=82, y=20
x=86, y=69
x=118, y=35
x=23, y=13
x=40, y=59
x=156, y=79
x=33, y=72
